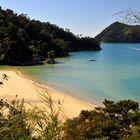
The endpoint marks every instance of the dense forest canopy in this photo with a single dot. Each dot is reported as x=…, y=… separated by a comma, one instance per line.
x=24, y=41
x=120, y=33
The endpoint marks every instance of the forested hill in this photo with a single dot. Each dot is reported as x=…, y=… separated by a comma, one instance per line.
x=24, y=41
x=120, y=33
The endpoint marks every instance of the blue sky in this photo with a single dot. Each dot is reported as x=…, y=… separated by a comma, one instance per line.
x=87, y=17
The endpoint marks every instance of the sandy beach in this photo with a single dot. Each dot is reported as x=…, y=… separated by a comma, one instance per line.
x=24, y=87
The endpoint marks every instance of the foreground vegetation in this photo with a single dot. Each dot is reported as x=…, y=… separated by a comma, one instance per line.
x=116, y=120
x=24, y=41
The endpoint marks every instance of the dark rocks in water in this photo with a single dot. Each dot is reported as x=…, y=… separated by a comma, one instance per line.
x=50, y=61
x=92, y=60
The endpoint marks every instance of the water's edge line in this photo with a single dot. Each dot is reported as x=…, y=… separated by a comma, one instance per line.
x=38, y=84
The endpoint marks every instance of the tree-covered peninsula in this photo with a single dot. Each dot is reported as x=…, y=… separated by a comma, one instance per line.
x=120, y=33
x=28, y=42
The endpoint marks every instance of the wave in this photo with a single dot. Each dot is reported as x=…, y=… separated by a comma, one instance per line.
x=137, y=49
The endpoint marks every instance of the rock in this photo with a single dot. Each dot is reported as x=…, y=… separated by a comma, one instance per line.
x=50, y=61
x=92, y=60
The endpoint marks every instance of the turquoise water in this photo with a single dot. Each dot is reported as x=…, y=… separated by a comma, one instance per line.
x=114, y=75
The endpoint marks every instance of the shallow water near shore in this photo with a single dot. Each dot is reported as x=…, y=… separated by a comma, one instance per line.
x=115, y=73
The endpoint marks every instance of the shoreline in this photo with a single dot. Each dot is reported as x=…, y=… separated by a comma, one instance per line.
x=23, y=86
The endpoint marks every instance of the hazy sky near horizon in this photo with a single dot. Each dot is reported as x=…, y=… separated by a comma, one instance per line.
x=87, y=17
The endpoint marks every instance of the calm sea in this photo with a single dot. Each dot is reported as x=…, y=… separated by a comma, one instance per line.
x=114, y=75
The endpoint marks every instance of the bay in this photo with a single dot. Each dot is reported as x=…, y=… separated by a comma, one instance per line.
x=113, y=73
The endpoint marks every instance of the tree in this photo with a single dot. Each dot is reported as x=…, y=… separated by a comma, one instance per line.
x=117, y=120
x=51, y=57
x=129, y=16
x=35, y=123
x=27, y=42
x=13, y=124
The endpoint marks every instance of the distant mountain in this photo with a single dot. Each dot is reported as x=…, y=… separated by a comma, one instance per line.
x=120, y=33
x=24, y=41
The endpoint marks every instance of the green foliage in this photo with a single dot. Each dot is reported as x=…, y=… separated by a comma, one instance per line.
x=117, y=120
x=51, y=54
x=120, y=33
x=36, y=123
x=51, y=57
x=13, y=123
x=47, y=122
x=26, y=42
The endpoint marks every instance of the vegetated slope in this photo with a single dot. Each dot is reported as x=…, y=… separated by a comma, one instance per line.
x=24, y=41
x=120, y=33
